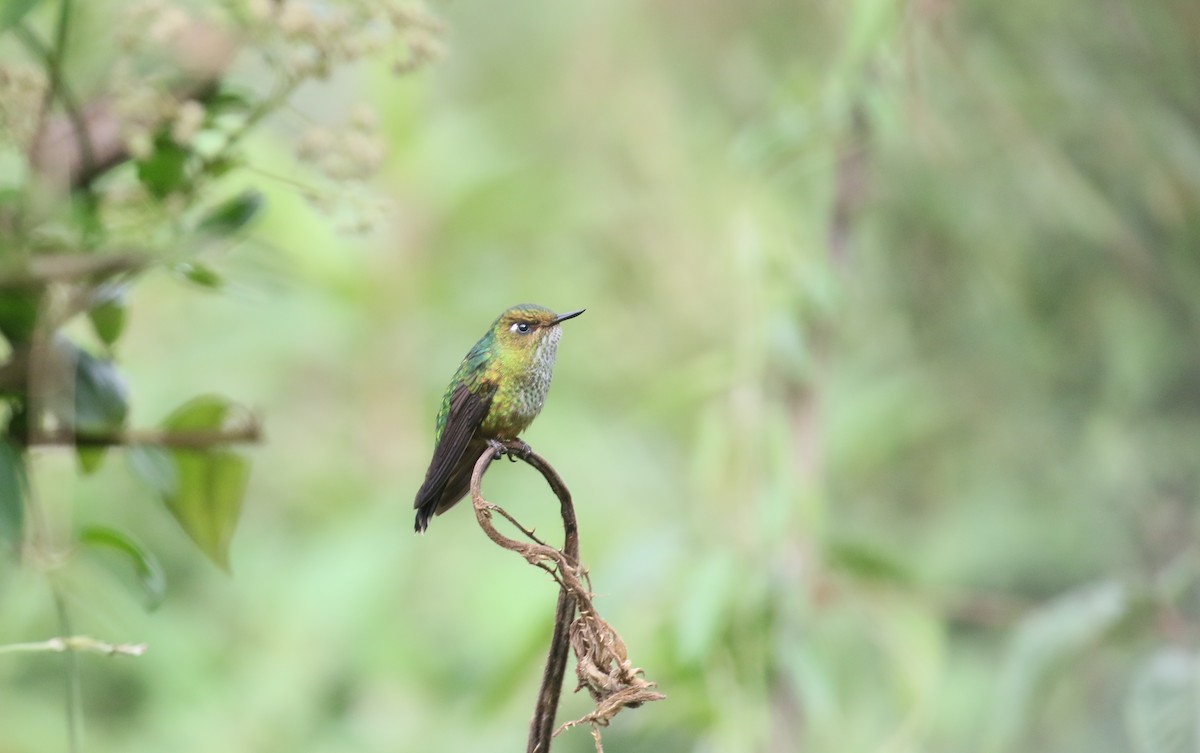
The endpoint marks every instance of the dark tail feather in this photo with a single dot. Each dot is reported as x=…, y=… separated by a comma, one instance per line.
x=424, y=513
x=427, y=502
x=427, y=505
x=431, y=502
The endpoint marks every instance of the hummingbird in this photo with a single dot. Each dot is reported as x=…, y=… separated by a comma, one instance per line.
x=498, y=390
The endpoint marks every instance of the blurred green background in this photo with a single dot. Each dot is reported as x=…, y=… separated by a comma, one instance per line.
x=883, y=423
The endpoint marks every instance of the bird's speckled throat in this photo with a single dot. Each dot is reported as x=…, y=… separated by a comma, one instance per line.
x=520, y=397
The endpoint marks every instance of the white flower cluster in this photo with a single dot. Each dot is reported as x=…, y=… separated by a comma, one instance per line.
x=158, y=22
x=346, y=156
x=299, y=39
x=353, y=153
x=169, y=54
x=319, y=35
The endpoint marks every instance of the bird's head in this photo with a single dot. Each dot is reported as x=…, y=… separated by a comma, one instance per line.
x=525, y=328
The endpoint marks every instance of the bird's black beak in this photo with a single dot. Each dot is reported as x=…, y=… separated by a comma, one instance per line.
x=563, y=317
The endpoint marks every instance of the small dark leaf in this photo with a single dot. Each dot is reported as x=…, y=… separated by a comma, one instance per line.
x=211, y=487
x=12, y=11
x=232, y=215
x=18, y=420
x=85, y=214
x=165, y=170
x=155, y=467
x=200, y=274
x=90, y=458
x=228, y=101
x=149, y=572
x=108, y=317
x=101, y=397
x=221, y=166
x=18, y=314
x=866, y=561
x=12, y=492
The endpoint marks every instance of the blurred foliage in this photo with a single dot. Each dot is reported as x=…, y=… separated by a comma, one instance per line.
x=881, y=424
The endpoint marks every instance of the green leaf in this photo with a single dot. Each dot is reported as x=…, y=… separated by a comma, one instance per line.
x=149, y=572
x=85, y=214
x=18, y=420
x=165, y=170
x=200, y=274
x=108, y=317
x=209, y=500
x=1160, y=713
x=101, y=404
x=232, y=215
x=204, y=412
x=13, y=484
x=228, y=100
x=155, y=467
x=867, y=562
x=222, y=166
x=101, y=397
x=18, y=314
x=13, y=11
x=90, y=458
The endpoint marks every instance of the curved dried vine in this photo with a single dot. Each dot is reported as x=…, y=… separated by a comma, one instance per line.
x=602, y=660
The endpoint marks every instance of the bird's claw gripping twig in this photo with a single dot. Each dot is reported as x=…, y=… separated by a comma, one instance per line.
x=514, y=448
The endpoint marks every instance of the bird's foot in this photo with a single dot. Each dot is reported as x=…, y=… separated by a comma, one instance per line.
x=514, y=449
x=498, y=447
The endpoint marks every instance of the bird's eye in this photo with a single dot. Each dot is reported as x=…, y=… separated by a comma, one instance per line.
x=521, y=327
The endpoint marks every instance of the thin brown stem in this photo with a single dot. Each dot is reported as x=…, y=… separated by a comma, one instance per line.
x=59, y=90
x=71, y=267
x=176, y=440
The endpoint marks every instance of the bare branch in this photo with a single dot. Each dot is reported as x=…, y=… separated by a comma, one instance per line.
x=249, y=433
x=67, y=267
x=75, y=643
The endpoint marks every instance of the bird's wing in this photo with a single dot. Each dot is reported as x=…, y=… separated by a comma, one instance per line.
x=467, y=410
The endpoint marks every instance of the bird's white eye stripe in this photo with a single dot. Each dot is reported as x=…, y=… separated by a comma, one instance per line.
x=521, y=327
